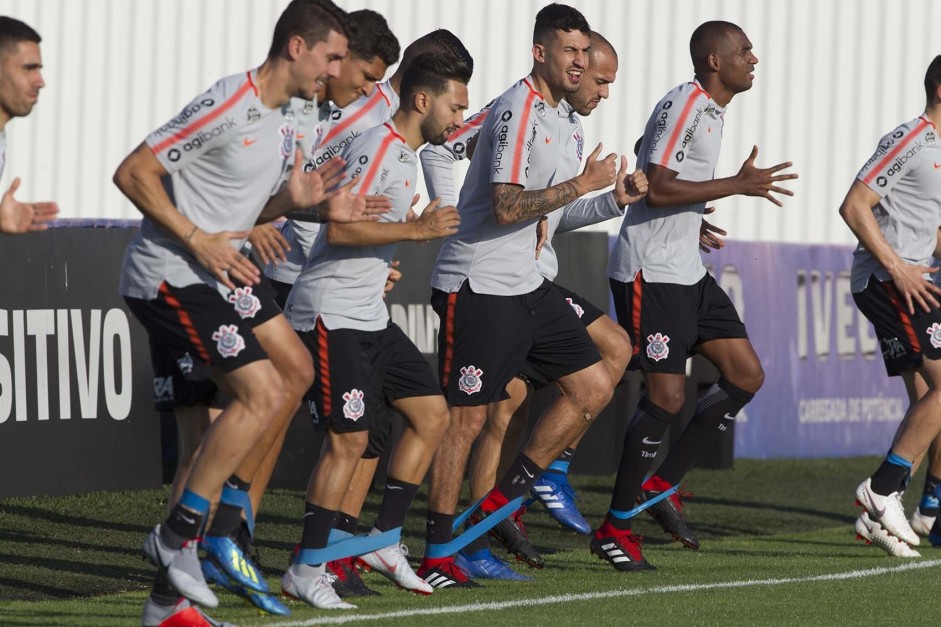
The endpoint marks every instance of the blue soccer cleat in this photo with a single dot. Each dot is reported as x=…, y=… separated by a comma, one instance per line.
x=555, y=492
x=230, y=559
x=267, y=603
x=486, y=565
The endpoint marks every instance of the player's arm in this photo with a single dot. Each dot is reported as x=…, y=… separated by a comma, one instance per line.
x=629, y=188
x=856, y=211
x=937, y=246
x=434, y=222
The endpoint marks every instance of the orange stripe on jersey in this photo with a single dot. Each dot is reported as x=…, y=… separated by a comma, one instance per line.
x=382, y=93
x=635, y=312
x=186, y=131
x=186, y=321
x=472, y=123
x=345, y=124
x=684, y=115
x=888, y=158
x=251, y=82
x=377, y=160
x=521, y=137
x=323, y=359
x=448, y=339
x=905, y=319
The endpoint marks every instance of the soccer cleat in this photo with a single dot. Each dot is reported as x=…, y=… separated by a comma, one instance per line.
x=228, y=556
x=555, y=492
x=887, y=511
x=444, y=573
x=392, y=562
x=180, y=614
x=668, y=512
x=181, y=567
x=872, y=533
x=619, y=548
x=487, y=566
x=267, y=603
x=312, y=585
x=511, y=533
x=922, y=524
x=346, y=579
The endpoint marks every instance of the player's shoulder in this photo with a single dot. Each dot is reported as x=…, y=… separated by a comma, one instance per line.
x=920, y=127
x=683, y=95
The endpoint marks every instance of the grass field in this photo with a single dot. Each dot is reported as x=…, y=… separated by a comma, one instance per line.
x=777, y=548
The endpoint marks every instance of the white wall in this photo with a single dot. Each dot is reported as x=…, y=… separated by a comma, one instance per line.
x=834, y=75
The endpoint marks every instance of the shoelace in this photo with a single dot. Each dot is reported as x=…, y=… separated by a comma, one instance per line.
x=517, y=519
x=455, y=572
x=567, y=489
x=678, y=496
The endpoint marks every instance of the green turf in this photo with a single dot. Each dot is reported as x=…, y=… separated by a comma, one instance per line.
x=75, y=560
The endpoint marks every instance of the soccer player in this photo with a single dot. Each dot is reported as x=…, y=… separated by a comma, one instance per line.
x=669, y=305
x=496, y=309
x=364, y=361
x=894, y=209
x=186, y=281
x=20, y=82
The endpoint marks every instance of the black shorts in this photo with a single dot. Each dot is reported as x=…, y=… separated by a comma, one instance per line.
x=484, y=339
x=667, y=321
x=585, y=311
x=175, y=382
x=905, y=339
x=200, y=329
x=359, y=372
x=281, y=291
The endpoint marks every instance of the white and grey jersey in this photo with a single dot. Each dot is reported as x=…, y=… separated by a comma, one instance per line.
x=344, y=285
x=336, y=128
x=683, y=134
x=523, y=141
x=225, y=154
x=3, y=150
x=905, y=171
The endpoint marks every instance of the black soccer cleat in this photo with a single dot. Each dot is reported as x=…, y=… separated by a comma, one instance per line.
x=622, y=551
x=511, y=533
x=668, y=512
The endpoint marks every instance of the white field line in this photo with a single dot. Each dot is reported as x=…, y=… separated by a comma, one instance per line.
x=338, y=617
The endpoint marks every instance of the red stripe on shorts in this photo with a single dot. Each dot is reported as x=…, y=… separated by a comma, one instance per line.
x=448, y=339
x=186, y=321
x=635, y=312
x=323, y=357
x=906, y=319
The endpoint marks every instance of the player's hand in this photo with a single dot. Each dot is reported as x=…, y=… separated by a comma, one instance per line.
x=598, y=173
x=411, y=216
x=915, y=290
x=270, y=245
x=309, y=189
x=395, y=275
x=754, y=181
x=24, y=217
x=709, y=239
x=542, y=234
x=345, y=206
x=436, y=222
x=629, y=188
x=215, y=252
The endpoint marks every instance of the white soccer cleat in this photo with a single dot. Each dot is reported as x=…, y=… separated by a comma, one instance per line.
x=887, y=511
x=921, y=524
x=874, y=534
x=314, y=586
x=392, y=562
x=181, y=567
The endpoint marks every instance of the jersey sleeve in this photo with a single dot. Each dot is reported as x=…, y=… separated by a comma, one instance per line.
x=675, y=127
x=893, y=159
x=207, y=122
x=365, y=162
x=512, y=128
x=584, y=212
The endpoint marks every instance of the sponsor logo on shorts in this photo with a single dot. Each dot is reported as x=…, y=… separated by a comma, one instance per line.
x=286, y=148
x=892, y=348
x=228, y=341
x=185, y=363
x=657, y=348
x=246, y=303
x=314, y=414
x=163, y=389
x=470, y=382
x=354, y=407
x=578, y=308
x=934, y=332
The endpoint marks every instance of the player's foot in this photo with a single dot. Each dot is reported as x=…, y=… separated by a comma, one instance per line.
x=181, y=614
x=312, y=585
x=444, y=573
x=181, y=568
x=620, y=548
x=511, y=533
x=922, y=524
x=228, y=556
x=873, y=533
x=555, y=492
x=266, y=602
x=392, y=561
x=668, y=512
x=486, y=565
x=887, y=511
x=347, y=581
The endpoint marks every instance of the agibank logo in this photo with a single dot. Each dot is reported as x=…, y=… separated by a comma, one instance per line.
x=202, y=138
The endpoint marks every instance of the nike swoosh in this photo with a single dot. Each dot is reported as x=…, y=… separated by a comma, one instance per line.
x=248, y=142
x=937, y=166
x=393, y=487
x=649, y=441
x=728, y=417
x=191, y=521
x=548, y=140
x=877, y=513
x=300, y=136
x=528, y=474
x=387, y=564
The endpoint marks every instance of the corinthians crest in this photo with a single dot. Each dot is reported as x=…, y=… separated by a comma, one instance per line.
x=354, y=407
x=470, y=382
x=246, y=303
x=228, y=341
x=657, y=348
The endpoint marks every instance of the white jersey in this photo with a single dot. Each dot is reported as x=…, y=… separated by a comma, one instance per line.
x=3, y=150
x=683, y=134
x=225, y=153
x=524, y=142
x=335, y=129
x=344, y=285
x=905, y=171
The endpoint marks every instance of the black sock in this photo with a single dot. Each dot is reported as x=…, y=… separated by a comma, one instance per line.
x=644, y=434
x=163, y=593
x=890, y=476
x=346, y=522
x=317, y=525
x=519, y=477
x=226, y=521
x=438, y=528
x=481, y=543
x=716, y=408
x=181, y=526
x=237, y=484
x=396, y=500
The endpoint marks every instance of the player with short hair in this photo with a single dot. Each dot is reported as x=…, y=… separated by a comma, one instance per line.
x=894, y=209
x=665, y=299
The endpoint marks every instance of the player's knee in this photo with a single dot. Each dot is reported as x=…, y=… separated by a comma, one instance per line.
x=598, y=391
x=300, y=375
x=671, y=400
x=349, y=445
x=468, y=422
x=615, y=347
x=751, y=377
